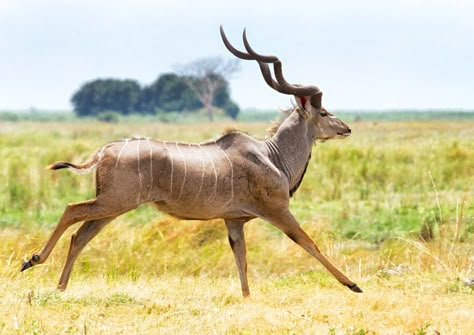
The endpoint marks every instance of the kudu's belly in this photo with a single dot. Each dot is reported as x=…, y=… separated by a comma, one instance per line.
x=200, y=211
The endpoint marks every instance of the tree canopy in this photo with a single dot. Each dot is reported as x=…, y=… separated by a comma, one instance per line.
x=170, y=92
x=206, y=77
x=106, y=94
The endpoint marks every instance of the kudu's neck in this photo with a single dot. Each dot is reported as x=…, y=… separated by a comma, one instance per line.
x=290, y=148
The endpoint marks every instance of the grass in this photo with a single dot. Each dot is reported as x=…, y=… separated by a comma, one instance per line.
x=391, y=206
x=170, y=305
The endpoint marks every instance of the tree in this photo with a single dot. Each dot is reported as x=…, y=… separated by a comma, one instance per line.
x=222, y=100
x=206, y=76
x=106, y=95
x=169, y=93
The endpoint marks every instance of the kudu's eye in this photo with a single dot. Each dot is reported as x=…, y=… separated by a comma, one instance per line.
x=323, y=114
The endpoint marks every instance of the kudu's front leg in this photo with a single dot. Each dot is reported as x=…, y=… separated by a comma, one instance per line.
x=235, y=231
x=288, y=224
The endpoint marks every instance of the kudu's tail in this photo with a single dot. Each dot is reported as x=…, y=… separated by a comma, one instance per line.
x=86, y=167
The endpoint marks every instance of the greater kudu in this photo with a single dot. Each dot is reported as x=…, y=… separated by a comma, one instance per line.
x=236, y=177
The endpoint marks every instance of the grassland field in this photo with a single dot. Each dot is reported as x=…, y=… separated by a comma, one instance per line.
x=392, y=206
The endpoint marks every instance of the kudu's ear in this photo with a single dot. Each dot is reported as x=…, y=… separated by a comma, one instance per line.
x=304, y=104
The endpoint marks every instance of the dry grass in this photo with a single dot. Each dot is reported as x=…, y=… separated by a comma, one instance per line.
x=120, y=287
x=203, y=305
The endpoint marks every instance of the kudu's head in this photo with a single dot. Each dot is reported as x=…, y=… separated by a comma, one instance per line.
x=308, y=98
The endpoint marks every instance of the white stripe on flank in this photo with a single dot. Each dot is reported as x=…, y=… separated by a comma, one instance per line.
x=172, y=168
x=121, y=150
x=185, y=172
x=213, y=195
x=231, y=175
x=151, y=168
x=202, y=175
x=139, y=171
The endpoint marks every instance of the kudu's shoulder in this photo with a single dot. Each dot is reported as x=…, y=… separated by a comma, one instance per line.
x=250, y=152
x=236, y=140
x=241, y=145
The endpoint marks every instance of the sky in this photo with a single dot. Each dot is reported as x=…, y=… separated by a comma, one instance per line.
x=363, y=54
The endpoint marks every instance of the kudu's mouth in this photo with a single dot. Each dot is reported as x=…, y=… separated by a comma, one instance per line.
x=335, y=137
x=345, y=134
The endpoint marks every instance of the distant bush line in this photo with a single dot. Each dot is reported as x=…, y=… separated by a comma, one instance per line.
x=245, y=115
x=168, y=93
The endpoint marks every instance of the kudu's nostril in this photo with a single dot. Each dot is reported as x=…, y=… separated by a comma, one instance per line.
x=349, y=130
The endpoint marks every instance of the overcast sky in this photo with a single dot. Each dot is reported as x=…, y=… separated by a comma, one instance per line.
x=362, y=54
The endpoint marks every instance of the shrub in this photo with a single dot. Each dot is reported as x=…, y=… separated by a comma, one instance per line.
x=109, y=116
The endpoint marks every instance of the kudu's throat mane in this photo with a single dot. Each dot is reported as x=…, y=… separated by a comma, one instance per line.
x=295, y=188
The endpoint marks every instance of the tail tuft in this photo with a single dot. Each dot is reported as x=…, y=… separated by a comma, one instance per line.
x=61, y=165
x=86, y=167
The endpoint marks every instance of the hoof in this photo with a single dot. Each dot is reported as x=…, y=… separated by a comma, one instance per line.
x=355, y=288
x=26, y=265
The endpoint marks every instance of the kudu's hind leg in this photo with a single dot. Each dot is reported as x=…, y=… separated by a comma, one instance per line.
x=88, y=210
x=79, y=239
x=288, y=224
x=235, y=231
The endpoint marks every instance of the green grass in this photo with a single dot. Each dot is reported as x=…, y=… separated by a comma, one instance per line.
x=387, y=180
